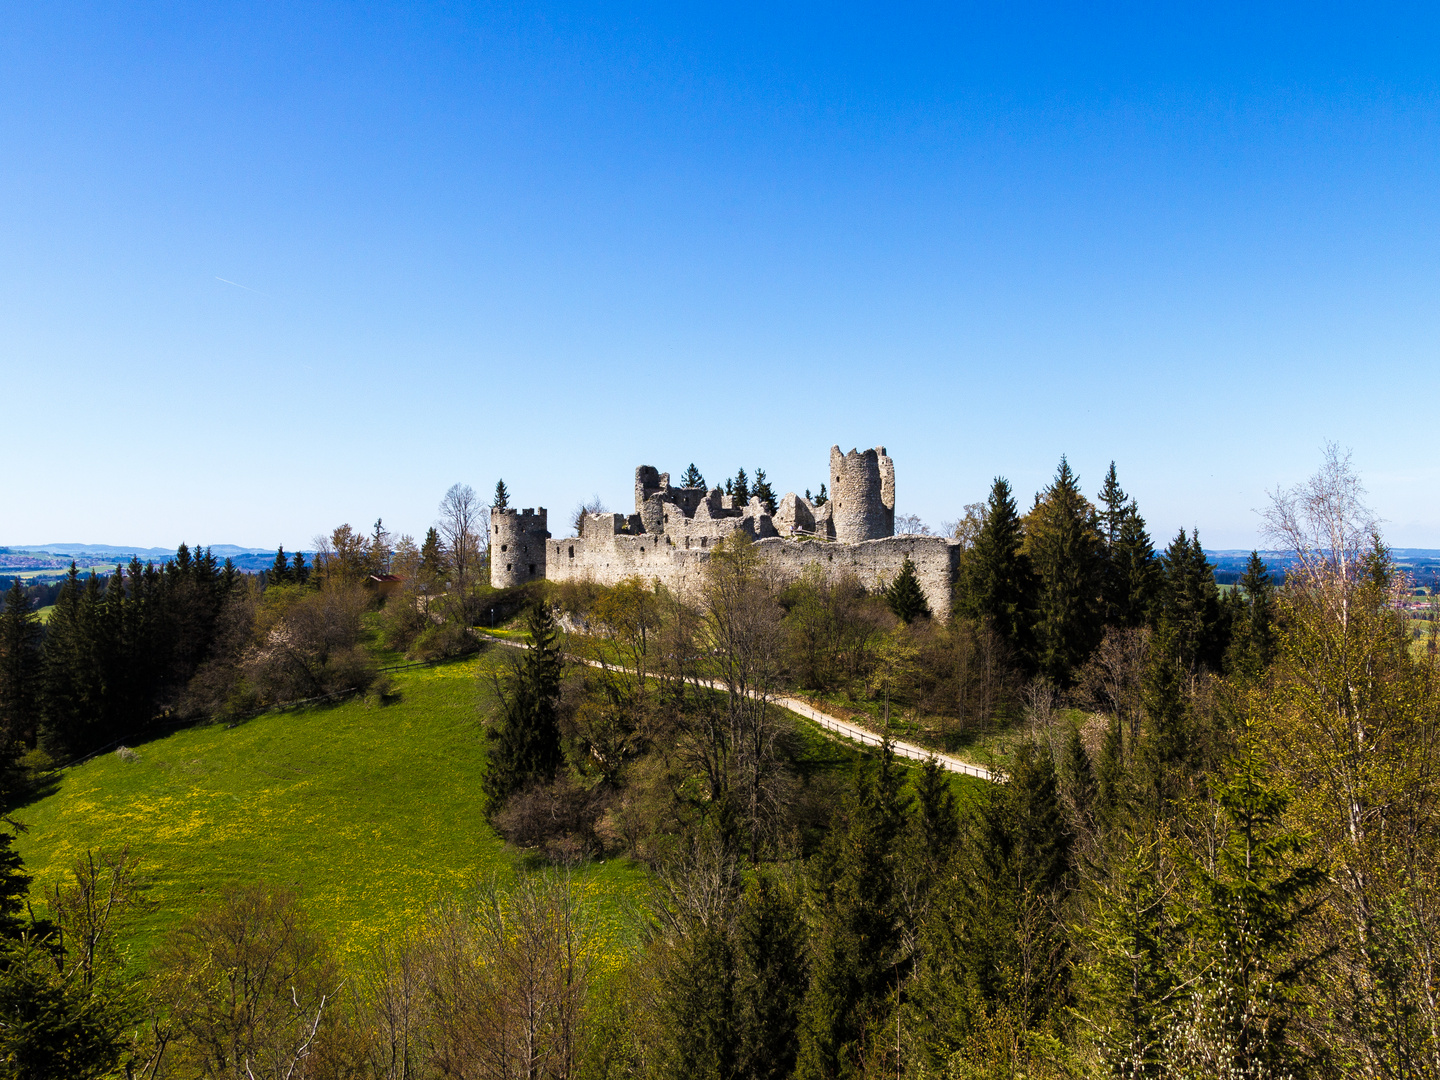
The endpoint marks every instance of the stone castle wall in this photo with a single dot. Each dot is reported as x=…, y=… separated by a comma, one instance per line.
x=670, y=536
x=609, y=560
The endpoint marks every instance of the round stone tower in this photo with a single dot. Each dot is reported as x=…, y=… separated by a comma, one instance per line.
x=862, y=491
x=517, y=546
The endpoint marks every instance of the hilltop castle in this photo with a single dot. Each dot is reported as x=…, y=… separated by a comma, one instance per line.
x=672, y=529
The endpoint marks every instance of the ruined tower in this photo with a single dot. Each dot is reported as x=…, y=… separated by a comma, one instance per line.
x=517, y=546
x=862, y=491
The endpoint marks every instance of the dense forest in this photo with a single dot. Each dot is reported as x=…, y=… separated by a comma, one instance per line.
x=1211, y=850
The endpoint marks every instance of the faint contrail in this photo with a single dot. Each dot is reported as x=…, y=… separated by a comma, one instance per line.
x=247, y=288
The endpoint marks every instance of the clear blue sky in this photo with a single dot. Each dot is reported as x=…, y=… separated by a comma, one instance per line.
x=550, y=243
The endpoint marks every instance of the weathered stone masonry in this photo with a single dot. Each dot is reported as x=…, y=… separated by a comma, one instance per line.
x=670, y=535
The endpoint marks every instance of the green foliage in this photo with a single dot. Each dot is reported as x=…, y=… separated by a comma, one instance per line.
x=433, y=564
x=501, y=501
x=858, y=944
x=1067, y=553
x=51, y=1023
x=692, y=477
x=1189, y=604
x=997, y=584
x=1131, y=575
x=763, y=491
x=20, y=637
x=525, y=739
x=905, y=596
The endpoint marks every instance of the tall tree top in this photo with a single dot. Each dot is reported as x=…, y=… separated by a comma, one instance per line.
x=502, y=496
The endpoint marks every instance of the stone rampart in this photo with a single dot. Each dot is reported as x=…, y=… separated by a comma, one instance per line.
x=874, y=563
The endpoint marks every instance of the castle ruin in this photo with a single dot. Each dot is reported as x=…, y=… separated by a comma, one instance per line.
x=671, y=532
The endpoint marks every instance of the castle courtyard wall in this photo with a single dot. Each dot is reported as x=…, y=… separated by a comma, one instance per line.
x=609, y=560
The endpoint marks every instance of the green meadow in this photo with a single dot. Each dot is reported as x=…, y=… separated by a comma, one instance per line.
x=371, y=812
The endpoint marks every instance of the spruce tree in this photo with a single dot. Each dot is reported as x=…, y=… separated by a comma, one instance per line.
x=525, y=742
x=1066, y=551
x=70, y=679
x=822, y=498
x=20, y=637
x=1077, y=776
x=740, y=488
x=279, y=572
x=904, y=595
x=692, y=477
x=300, y=571
x=1133, y=573
x=764, y=492
x=857, y=950
x=502, y=496
x=1252, y=646
x=1262, y=888
x=1190, y=604
x=998, y=585
x=1130, y=568
x=432, y=556
x=770, y=980
x=14, y=886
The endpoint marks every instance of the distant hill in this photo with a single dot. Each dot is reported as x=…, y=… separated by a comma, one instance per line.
x=50, y=560
x=1422, y=564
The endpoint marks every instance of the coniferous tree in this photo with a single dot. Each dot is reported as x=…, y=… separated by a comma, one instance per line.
x=692, y=477
x=1133, y=573
x=432, y=556
x=14, y=886
x=739, y=488
x=998, y=584
x=764, y=492
x=770, y=980
x=904, y=595
x=858, y=944
x=70, y=680
x=1252, y=645
x=20, y=637
x=279, y=572
x=1077, y=776
x=1066, y=551
x=502, y=496
x=525, y=742
x=1130, y=568
x=1262, y=887
x=299, y=569
x=1190, y=604
x=822, y=498
x=995, y=942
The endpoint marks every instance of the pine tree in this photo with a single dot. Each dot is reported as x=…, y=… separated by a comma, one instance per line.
x=740, y=488
x=1065, y=548
x=692, y=477
x=1252, y=646
x=279, y=572
x=20, y=637
x=699, y=1005
x=1133, y=573
x=770, y=980
x=1130, y=568
x=822, y=498
x=998, y=584
x=1167, y=745
x=432, y=556
x=1262, y=889
x=502, y=496
x=904, y=595
x=858, y=941
x=70, y=679
x=525, y=742
x=1078, y=776
x=14, y=886
x=1190, y=604
x=300, y=571
x=764, y=492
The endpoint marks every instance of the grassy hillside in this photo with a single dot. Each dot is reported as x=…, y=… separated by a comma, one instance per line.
x=370, y=812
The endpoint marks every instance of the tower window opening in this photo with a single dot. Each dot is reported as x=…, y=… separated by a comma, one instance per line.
x=507, y=567
x=504, y=547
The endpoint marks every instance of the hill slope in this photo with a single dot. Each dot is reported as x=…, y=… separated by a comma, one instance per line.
x=370, y=812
